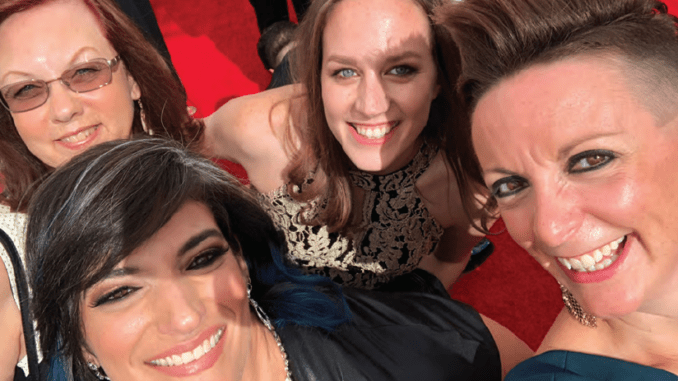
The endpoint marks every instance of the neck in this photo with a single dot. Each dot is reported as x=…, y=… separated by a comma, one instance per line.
x=265, y=362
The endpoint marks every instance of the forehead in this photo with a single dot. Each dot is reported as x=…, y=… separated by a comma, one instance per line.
x=357, y=25
x=550, y=105
x=50, y=34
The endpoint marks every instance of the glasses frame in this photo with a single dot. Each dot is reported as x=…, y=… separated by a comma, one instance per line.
x=112, y=66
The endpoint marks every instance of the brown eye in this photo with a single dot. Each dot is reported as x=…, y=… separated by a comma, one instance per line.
x=589, y=160
x=508, y=186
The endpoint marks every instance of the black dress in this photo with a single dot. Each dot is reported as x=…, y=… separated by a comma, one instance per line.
x=413, y=331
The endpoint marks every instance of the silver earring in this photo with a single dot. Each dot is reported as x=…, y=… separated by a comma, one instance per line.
x=98, y=372
x=142, y=117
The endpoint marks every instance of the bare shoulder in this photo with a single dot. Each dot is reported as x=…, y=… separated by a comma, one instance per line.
x=512, y=350
x=439, y=191
x=10, y=330
x=568, y=334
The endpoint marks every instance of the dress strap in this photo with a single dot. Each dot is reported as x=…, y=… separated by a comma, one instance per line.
x=22, y=290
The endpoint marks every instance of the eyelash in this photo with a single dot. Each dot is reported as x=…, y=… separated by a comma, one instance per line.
x=200, y=261
x=409, y=70
x=115, y=295
x=496, y=193
x=606, y=155
x=207, y=257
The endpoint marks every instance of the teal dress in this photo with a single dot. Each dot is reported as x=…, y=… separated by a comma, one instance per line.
x=575, y=366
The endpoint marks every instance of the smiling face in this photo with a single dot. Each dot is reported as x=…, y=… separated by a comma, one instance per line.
x=42, y=43
x=378, y=80
x=182, y=295
x=586, y=181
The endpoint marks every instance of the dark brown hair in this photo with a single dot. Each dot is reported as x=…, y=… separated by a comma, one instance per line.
x=499, y=38
x=319, y=152
x=162, y=94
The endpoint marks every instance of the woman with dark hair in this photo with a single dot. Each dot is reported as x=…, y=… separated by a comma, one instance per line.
x=352, y=163
x=173, y=269
x=574, y=137
x=73, y=73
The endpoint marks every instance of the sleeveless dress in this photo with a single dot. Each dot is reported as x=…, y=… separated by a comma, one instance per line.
x=396, y=231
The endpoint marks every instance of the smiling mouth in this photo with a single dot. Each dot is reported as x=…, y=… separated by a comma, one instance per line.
x=190, y=356
x=597, y=260
x=80, y=136
x=374, y=132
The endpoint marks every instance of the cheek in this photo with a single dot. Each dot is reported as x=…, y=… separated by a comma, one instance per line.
x=113, y=337
x=230, y=289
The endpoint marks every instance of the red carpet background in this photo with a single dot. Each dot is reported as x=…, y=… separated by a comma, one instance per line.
x=213, y=47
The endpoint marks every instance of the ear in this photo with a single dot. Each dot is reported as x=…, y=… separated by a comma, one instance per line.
x=243, y=265
x=135, y=90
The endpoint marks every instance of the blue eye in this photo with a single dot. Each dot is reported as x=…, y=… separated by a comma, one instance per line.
x=508, y=186
x=345, y=73
x=589, y=160
x=402, y=70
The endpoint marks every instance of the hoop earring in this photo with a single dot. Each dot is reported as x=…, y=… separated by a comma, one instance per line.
x=576, y=310
x=98, y=371
x=142, y=117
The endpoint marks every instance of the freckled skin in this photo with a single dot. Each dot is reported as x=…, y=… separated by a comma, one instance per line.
x=532, y=125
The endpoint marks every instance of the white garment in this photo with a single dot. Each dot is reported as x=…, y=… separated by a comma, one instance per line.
x=14, y=224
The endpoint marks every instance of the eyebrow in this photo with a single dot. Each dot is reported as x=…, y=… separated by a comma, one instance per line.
x=393, y=58
x=190, y=244
x=197, y=239
x=71, y=62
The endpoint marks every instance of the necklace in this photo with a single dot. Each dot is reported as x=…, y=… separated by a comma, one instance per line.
x=267, y=322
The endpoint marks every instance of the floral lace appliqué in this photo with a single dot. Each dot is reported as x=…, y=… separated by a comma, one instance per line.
x=396, y=231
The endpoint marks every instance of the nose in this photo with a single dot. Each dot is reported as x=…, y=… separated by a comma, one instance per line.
x=64, y=104
x=178, y=308
x=372, y=98
x=557, y=216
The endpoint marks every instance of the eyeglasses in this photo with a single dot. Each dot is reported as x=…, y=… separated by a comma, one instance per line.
x=81, y=78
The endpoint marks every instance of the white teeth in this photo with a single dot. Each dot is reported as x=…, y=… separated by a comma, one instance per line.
x=190, y=356
x=587, y=261
x=565, y=263
x=80, y=136
x=598, y=260
x=373, y=133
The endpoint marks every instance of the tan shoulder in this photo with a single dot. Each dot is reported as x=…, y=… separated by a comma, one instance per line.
x=512, y=350
x=438, y=189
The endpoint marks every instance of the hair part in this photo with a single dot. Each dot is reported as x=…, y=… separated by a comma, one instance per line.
x=162, y=94
x=499, y=39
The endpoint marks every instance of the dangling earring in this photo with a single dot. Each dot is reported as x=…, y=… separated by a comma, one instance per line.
x=98, y=372
x=576, y=310
x=142, y=117
x=267, y=322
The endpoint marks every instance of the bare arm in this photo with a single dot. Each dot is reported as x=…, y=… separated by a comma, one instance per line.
x=11, y=345
x=249, y=131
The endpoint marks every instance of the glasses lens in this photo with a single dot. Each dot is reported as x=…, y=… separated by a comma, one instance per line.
x=25, y=95
x=88, y=76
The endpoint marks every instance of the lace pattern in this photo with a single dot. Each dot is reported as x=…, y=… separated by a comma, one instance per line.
x=396, y=231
